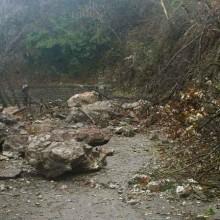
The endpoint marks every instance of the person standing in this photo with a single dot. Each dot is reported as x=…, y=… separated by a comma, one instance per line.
x=25, y=94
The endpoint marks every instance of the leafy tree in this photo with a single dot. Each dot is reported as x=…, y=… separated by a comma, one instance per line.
x=69, y=46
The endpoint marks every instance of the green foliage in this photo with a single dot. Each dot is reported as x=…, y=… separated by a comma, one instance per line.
x=69, y=46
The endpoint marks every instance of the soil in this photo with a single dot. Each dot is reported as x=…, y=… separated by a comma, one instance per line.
x=98, y=196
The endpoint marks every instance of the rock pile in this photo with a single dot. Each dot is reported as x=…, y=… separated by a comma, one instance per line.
x=72, y=143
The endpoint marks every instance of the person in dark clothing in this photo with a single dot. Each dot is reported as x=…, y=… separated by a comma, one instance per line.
x=26, y=96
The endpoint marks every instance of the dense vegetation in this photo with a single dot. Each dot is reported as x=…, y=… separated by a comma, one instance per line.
x=129, y=42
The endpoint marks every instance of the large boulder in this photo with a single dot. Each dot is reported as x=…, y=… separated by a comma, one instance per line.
x=83, y=99
x=54, y=157
x=93, y=136
x=102, y=112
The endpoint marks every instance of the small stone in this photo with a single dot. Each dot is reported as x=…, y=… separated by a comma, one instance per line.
x=154, y=137
x=202, y=217
x=64, y=187
x=2, y=187
x=113, y=186
x=132, y=202
x=184, y=191
x=140, y=179
x=154, y=186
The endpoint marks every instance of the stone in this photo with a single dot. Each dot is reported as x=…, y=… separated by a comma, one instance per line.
x=140, y=179
x=184, y=190
x=154, y=137
x=2, y=157
x=3, y=132
x=7, y=119
x=102, y=112
x=41, y=126
x=154, y=186
x=83, y=99
x=9, y=170
x=93, y=136
x=76, y=116
x=53, y=158
x=15, y=143
x=126, y=131
x=138, y=106
x=132, y=202
x=11, y=110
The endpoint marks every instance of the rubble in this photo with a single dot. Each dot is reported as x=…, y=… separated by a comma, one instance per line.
x=55, y=146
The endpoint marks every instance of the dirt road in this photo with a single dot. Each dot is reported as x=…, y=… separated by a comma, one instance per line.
x=96, y=196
